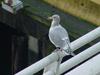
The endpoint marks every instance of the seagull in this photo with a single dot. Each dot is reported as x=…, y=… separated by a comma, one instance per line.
x=59, y=36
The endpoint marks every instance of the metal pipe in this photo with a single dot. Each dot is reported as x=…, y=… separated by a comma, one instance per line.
x=90, y=36
x=80, y=57
x=53, y=56
x=39, y=65
x=77, y=59
x=91, y=67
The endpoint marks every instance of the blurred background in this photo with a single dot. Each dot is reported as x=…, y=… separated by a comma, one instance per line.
x=24, y=35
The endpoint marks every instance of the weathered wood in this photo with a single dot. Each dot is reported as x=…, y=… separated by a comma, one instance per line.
x=96, y=1
x=85, y=9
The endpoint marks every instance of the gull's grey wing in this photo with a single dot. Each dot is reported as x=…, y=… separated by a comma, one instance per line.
x=57, y=36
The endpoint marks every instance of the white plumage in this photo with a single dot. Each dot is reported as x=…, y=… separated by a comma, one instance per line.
x=59, y=36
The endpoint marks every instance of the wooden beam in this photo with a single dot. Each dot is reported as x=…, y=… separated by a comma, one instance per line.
x=84, y=9
x=96, y=1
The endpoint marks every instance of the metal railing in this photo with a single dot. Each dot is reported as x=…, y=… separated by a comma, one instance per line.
x=34, y=68
x=90, y=67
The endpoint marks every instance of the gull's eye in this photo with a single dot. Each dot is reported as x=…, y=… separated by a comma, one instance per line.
x=54, y=17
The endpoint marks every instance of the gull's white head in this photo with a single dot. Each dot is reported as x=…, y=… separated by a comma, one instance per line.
x=55, y=20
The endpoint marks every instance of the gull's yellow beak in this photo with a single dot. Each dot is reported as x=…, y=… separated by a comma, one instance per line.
x=49, y=18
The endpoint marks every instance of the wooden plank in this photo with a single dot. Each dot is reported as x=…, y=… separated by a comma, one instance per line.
x=84, y=9
x=96, y=1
